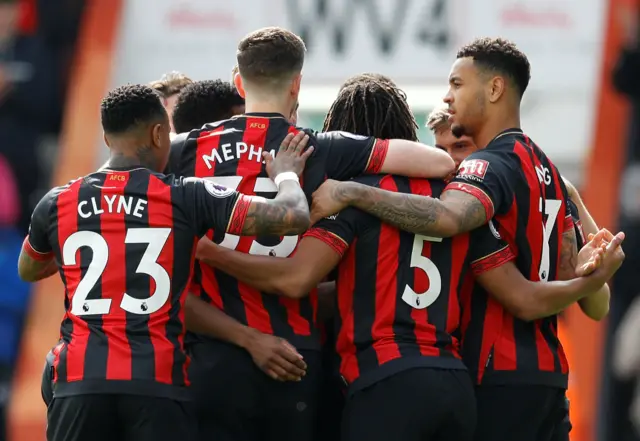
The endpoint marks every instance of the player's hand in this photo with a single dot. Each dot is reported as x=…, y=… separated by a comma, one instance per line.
x=590, y=255
x=327, y=201
x=291, y=156
x=612, y=257
x=276, y=357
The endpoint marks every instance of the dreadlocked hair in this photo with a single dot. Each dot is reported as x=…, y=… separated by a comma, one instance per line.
x=369, y=106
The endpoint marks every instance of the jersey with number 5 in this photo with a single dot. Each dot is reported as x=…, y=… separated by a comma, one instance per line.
x=230, y=153
x=399, y=293
x=523, y=192
x=124, y=242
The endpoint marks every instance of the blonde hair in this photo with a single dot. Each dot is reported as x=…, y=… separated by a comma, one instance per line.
x=170, y=84
x=438, y=120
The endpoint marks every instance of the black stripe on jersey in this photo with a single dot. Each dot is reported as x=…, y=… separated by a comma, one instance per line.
x=95, y=358
x=364, y=298
x=137, y=328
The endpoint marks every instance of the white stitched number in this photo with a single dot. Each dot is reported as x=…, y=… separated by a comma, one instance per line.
x=424, y=299
x=230, y=241
x=155, y=238
x=551, y=210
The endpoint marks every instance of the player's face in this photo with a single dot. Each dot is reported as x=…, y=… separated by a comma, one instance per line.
x=457, y=148
x=466, y=98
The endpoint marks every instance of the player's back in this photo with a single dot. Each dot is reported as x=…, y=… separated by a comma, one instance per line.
x=531, y=214
x=398, y=293
x=124, y=242
x=230, y=153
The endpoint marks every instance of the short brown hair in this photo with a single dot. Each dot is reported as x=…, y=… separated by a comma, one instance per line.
x=438, y=120
x=170, y=84
x=270, y=55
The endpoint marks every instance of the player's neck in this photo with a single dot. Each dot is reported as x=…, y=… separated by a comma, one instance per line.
x=494, y=127
x=266, y=106
x=140, y=157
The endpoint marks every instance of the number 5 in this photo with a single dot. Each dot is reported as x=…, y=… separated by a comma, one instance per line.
x=424, y=299
x=230, y=241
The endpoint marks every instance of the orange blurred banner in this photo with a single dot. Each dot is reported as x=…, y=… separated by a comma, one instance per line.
x=77, y=156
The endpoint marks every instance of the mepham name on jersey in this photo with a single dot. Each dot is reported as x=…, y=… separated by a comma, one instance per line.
x=233, y=152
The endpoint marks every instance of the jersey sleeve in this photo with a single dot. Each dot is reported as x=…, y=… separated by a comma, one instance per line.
x=351, y=155
x=213, y=206
x=487, y=176
x=337, y=231
x=37, y=244
x=571, y=211
x=487, y=250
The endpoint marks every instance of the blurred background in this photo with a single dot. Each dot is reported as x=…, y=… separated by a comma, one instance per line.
x=58, y=58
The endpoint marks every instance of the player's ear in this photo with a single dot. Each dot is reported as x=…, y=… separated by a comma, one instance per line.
x=496, y=89
x=106, y=139
x=295, y=85
x=156, y=135
x=237, y=81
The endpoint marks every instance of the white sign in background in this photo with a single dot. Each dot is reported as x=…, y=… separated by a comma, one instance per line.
x=413, y=41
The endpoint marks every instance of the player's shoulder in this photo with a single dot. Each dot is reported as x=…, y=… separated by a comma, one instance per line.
x=50, y=198
x=214, y=189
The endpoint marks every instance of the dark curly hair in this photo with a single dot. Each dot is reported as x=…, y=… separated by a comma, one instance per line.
x=502, y=56
x=368, y=75
x=372, y=105
x=205, y=102
x=130, y=106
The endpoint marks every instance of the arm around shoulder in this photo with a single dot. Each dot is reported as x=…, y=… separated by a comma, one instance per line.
x=416, y=160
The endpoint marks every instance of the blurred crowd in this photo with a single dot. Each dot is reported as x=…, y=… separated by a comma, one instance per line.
x=37, y=41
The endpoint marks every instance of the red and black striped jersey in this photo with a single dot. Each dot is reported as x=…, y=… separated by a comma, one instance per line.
x=230, y=153
x=399, y=293
x=124, y=242
x=526, y=199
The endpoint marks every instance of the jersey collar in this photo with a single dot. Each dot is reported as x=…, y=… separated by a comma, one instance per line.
x=506, y=132
x=263, y=115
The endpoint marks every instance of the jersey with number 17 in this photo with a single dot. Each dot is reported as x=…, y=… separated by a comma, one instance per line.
x=230, y=153
x=525, y=198
x=124, y=242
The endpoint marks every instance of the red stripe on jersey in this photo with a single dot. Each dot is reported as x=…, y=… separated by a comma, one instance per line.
x=378, y=155
x=386, y=287
x=114, y=278
x=492, y=329
x=67, y=225
x=346, y=337
x=160, y=212
x=249, y=167
x=56, y=360
x=424, y=331
x=459, y=251
x=492, y=261
x=208, y=144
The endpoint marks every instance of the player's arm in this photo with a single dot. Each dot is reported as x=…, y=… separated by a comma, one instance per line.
x=352, y=155
x=293, y=277
x=596, y=305
x=467, y=202
x=318, y=253
x=527, y=300
x=36, y=260
x=217, y=207
x=275, y=356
